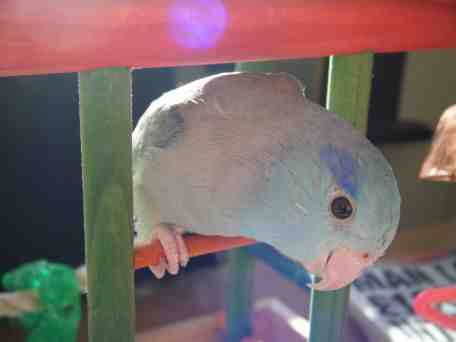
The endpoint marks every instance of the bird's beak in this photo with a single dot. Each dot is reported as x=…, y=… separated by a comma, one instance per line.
x=339, y=268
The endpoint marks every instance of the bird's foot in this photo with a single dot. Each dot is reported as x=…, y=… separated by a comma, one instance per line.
x=175, y=250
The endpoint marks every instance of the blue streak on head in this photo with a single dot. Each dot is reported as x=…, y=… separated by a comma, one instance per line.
x=342, y=167
x=197, y=24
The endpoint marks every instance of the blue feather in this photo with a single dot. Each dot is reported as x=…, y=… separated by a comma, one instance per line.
x=342, y=167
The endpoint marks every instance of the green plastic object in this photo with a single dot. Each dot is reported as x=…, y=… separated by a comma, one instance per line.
x=58, y=290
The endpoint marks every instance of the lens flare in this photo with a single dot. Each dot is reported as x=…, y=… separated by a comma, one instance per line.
x=197, y=24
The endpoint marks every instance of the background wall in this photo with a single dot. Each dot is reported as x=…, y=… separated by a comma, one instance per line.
x=41, y=186
x=428, y=88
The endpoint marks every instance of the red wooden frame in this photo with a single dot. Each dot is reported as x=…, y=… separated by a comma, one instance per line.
x=54, y=36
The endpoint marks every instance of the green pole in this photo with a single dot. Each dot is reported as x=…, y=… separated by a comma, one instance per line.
x=239, y=295
x=106, y=124
x=349, y=84
x=239, y=291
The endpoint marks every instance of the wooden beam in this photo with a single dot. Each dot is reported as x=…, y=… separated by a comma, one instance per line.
x=349, y=84
x=41, y=37
x=106, y=124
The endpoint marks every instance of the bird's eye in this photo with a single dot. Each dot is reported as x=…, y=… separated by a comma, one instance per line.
x=341, y=208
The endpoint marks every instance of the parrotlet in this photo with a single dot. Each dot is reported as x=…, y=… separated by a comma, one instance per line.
x=247, y=154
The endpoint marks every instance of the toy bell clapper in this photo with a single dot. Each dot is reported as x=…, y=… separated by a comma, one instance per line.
x=440, y=165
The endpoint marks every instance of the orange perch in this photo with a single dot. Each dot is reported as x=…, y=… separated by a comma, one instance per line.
x=196, y=245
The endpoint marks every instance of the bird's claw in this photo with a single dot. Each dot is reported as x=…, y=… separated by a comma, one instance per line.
x=175, y=250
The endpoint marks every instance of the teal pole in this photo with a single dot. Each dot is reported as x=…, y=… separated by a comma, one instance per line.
x=287, y=268
x=349, y=84
x=239, y=291
x=106, y=124
x=239, y=295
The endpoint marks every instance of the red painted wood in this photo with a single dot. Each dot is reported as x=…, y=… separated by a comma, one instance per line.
x=52, y=36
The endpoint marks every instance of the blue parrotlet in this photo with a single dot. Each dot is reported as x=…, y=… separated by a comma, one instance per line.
x=247, y=154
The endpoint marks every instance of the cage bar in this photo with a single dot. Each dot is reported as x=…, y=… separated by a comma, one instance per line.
x=239, y=295
x=349, y=84
x=106, y=124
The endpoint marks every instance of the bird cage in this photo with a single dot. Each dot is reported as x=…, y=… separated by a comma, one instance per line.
x=104, y=40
